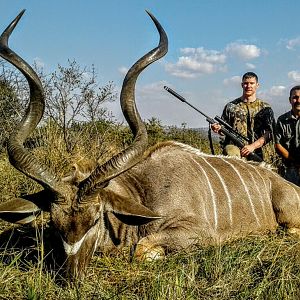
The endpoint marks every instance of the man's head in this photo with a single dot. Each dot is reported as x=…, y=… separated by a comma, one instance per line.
x=249, y=84
x=295, y=99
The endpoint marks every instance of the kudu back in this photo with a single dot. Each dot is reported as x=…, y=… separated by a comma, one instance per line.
x=159, y=199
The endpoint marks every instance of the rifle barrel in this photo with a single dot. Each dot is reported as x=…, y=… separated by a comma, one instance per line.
x=174, y=93
x=225, y=129
x=209, y=119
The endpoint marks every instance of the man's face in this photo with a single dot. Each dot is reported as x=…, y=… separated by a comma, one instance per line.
x=249, y=86
x=295, y=101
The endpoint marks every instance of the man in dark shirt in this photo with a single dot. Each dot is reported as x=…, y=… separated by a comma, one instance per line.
x=287, y=138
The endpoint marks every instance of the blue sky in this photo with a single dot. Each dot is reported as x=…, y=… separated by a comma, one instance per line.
x=211, y=44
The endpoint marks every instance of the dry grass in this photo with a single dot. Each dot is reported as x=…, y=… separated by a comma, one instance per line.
x=253, y=268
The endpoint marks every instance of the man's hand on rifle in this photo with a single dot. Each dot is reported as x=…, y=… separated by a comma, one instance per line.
x=247, y=149
x=216, y=127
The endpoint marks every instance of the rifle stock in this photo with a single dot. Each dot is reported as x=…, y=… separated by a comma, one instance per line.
x=226, y=129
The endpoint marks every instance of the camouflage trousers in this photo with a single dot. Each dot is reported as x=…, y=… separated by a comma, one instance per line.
x=268, y=152
x=232, y=150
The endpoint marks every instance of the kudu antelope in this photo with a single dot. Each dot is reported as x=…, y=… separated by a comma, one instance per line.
x=165, y=198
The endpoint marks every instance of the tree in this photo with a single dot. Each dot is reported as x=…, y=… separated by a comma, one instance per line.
x=155, y=130
x=13, y=92
x=73, y=97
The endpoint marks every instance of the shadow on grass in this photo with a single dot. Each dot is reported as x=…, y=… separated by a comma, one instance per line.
x=26, y=246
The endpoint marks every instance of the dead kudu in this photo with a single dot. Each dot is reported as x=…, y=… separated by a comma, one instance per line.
x=162, y=199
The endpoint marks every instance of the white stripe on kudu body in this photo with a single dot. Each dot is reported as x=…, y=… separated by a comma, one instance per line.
x=229, y=202
x=267, y=188
x=245, y=188
x=213, y=197
x=258, y=192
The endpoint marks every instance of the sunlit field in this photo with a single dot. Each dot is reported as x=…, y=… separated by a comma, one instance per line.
x=252, y=268
x=256, y=267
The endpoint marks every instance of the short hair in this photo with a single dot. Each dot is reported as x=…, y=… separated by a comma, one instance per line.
x=250, y=75
x=294, y=88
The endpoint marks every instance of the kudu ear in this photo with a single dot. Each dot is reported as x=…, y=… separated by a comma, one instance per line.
x=18, y=210
x=130, y=212
x=24, y=210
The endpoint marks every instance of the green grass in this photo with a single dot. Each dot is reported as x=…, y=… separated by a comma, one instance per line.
x=258, y=267
x=265, y=267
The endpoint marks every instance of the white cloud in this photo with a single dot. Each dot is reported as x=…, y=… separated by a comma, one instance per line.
x=174, y=70
x=277, y=97
x=294, y=75
x=155, y=88
x=250, y=66
x=232, y=81
x=123, y=70
x=277, y=90
x=293, y=43
x=243, y=51
x=194, y=62
x=201, y=54
x=197, y=61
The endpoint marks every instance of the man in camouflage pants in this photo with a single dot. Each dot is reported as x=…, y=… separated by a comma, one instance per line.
x=287, y=138
x=249, y=116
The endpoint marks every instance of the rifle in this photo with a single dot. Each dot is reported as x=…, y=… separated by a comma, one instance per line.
x=226, y=129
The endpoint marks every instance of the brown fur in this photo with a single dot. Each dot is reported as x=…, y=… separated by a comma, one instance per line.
x=172, y=181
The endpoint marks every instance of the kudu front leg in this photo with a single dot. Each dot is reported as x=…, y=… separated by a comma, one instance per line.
x=156, y=245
